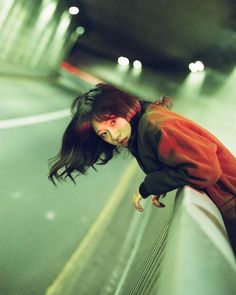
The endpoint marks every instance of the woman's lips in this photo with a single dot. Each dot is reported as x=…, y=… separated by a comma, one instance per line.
x=124, y=141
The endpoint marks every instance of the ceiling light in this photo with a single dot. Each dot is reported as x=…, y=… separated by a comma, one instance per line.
x=80, y=30
x=196, y=66
x=192, y=67
x=199, y=65
x=123, y=61
x=73, y=10
x=137, y=64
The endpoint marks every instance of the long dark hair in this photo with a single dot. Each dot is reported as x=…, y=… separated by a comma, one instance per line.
x=81, y=147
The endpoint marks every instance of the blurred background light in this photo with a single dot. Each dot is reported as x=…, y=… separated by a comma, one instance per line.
x=80, y=30
x=192, y=67
x=137, y=64
x=199, y=65
x=46, y=14
x=73, y=10
x=123, y=61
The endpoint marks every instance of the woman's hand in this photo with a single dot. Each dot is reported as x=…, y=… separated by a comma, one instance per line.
x=155, y=201
x=136, y=202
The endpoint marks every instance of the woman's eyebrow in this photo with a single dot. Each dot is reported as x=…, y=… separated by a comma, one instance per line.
x=107, y=121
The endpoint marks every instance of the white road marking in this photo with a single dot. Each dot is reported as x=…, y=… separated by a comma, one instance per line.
x=36, y=119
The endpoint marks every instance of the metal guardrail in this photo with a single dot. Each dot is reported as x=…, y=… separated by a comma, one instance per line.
x=198, y=258
x=194, y=258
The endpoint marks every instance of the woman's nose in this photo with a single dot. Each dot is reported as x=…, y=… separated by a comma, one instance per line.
x=115, y=135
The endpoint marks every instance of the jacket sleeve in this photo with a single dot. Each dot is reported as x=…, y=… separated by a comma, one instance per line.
x=189, y=157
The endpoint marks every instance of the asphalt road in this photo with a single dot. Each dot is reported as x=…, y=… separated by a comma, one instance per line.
x=41, y=226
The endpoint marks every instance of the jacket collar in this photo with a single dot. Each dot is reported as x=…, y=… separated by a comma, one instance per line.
x=133, y=141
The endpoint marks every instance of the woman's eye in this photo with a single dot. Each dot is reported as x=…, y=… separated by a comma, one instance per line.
x=103, y=134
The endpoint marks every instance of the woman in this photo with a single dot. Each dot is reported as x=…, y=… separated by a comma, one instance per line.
x=172, y=150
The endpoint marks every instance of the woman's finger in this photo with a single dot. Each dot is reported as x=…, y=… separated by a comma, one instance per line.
x=138, y=207
x=156, y=202
x=136, y=204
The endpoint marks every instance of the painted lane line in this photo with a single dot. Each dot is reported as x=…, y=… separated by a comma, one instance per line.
x=63, y=284
x=116, y=278
x=36, y=119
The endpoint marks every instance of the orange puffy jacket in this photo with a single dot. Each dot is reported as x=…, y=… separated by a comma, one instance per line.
x=174, y=151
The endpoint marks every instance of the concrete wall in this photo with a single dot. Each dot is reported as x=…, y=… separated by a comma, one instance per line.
x=35, y=36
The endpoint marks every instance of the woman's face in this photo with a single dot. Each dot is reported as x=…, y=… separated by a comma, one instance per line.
x=115, y=130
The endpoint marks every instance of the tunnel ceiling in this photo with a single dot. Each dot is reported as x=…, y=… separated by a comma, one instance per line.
x=160, y=32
